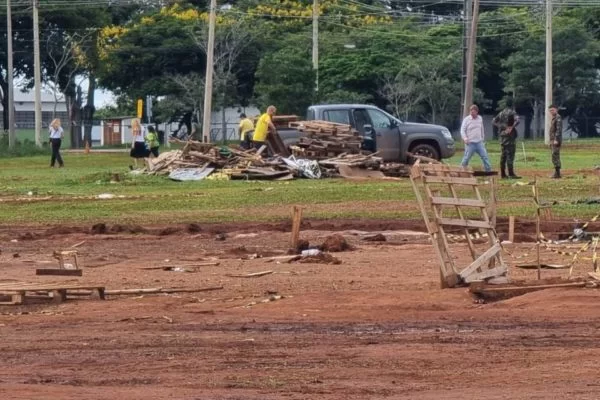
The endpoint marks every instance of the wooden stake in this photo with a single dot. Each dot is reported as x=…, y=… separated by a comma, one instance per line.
x=511, y=228
x=537, y=228
x=296, y=221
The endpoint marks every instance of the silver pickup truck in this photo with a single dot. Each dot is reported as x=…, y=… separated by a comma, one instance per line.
x=381, y=132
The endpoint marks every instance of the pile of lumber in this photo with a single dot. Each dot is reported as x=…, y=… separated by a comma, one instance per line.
x=353, y=160
x=324, y=139
x=232, y=161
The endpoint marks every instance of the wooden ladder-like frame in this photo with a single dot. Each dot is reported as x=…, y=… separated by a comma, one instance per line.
x=486, y=265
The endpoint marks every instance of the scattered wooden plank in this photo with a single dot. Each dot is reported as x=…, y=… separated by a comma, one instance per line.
x=252, y=275
x=543, y=266
x=195, y=265
x=511, y=228
x=488, y=273
x=116, y=292
x=450, y=179
x=531, y=288
x=59, y=271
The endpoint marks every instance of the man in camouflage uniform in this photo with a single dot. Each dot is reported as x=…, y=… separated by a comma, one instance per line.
x=506, y=122
x=555, y=140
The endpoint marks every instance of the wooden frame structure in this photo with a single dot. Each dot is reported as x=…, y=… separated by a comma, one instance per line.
x=440, y=184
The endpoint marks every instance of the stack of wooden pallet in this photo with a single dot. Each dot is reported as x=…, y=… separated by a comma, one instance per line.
x=324, y=139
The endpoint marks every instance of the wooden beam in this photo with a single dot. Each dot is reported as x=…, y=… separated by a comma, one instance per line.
x=490, y=273
x=481, y=261
x=296, y=222
x=527, y=288
x=59, y=271
x=449, y=201
x=450, y=179
x=511, y=228
x=468, y=223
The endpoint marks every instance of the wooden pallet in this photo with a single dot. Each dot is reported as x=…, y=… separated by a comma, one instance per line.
x=18, y=292
x=435, y=179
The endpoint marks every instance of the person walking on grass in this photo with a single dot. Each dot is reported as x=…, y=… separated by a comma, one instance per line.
x=555, y=140
x=506, y=122
x=56, y=136
x=138, y=142
x=473, y=135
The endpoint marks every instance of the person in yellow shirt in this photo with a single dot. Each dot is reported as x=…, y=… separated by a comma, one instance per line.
x=263, y=126
x=246, y=126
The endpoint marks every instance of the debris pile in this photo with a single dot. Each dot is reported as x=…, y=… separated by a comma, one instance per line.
x=324, y=139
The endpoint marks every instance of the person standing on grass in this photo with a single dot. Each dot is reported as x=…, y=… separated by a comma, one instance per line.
x=472, y=134
x=555, y=140
x=56, y=136
x=263, y=126
x=507, y=121
x=152, y=141
x=138, y=142
x=246, y=126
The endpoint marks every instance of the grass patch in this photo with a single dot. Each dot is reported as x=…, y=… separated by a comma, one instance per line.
x=150, y=199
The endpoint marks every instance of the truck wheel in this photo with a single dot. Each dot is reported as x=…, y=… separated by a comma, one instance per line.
x=425, y=150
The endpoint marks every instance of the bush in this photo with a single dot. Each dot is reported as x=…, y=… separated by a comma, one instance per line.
x=21, y=149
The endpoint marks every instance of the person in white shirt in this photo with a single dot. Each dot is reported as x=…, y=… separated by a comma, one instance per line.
x=56, y=136
x=472, y=134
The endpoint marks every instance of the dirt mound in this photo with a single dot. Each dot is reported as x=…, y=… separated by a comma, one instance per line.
x=335, y=243
x=28, y=236
x=98, y=229
x=193, y=228
x=127, y=229
x=171, y=230
x=375, y=238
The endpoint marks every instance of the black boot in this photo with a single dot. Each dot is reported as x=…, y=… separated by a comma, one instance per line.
x=556, y=174
x=503, y=173
x=511, y=173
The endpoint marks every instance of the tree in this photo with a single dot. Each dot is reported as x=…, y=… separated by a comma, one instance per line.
x=286, y=79
x=402, y=94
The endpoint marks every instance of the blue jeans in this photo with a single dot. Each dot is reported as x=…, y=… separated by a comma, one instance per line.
x=478, y=148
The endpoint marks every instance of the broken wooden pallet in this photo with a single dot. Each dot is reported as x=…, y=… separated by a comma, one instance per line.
x=56, y=292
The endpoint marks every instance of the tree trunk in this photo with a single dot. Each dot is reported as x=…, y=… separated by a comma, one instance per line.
x=89, y=110
x=4, y=86
x=75, y=112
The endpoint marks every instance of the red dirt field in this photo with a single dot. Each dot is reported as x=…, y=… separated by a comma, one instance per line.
x=376, y=326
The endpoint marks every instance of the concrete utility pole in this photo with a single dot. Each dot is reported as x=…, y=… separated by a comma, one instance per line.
x=467, y=9
x=471, y=59
x=315, y=47
x=12, y=139
x=37, y=74
x=548, y=99
x=208, y=83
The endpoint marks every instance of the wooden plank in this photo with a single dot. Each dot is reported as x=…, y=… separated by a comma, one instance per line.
x=531, y=288
x=468, y=223
x=58, y=271
x=511, y=228
x=450, y=179
x=544, y=266
x=443, y=167
x=449, y=201
x=481, y=261
x=251, y=275
x=296, y=222
x=500, y=270
x=160, y=290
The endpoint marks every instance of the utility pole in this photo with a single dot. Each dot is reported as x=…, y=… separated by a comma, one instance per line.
x=548, y=100
x=315, y=47
x=208, y=83
x=37, y=74
x=9, y=78
x=471, y=59
x=467, y=8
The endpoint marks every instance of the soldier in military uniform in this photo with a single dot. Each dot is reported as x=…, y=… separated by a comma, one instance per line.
x=555, y=140
x=506, y=122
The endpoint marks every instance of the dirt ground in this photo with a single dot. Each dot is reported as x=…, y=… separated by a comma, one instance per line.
x=374, y=326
